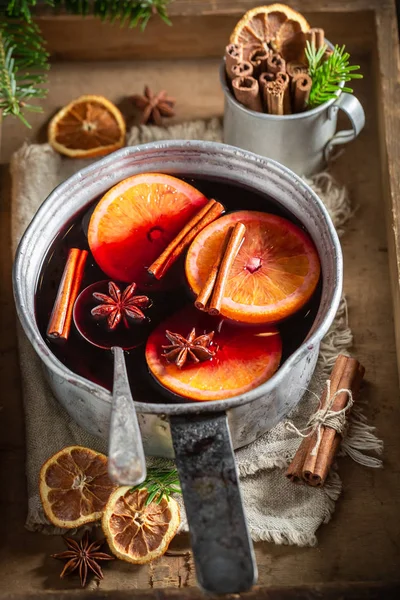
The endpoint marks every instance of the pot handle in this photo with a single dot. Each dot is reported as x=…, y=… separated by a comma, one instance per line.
x=352, y=107
x=222, y=549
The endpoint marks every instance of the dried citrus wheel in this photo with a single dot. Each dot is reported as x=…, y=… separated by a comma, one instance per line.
x=136, y=220
x=244, y=357
x=274, y=274
x=135, y=532
x=277, y=26
x=87, y=127
x=74, y=486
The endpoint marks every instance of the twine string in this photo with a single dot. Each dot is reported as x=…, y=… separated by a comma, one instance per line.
x=325, y=417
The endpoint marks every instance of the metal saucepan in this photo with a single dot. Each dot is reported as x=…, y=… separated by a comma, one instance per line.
x=203, y=434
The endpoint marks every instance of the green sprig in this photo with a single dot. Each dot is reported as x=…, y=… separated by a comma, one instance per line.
x=328, y=75
x=160, y=483
x=23, y=66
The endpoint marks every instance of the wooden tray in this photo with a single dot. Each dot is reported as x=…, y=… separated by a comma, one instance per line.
x=358, y=555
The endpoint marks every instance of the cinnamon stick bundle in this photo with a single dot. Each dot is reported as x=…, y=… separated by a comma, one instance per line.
x=233, y=56
x=213, y=289
x=258, y=60
x=60, y=322
x=313, y=460
x=246, y=91
x=209, y=213
x=275, y=63
x=242, y=69
x=301, y=88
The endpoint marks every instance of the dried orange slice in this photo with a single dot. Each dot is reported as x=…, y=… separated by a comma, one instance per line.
x=274, y=274
x=277, y=26
x=136, y=220
x=135, y=532
x=87, y=127
x=74, y=486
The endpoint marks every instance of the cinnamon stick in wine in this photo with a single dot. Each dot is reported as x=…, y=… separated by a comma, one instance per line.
x=232, y=248
x=275, y=63
x=242, y=69
x=211, y=211
x=246, y=91
x=61, y=317
x=208, y=286
x=233, y=56
x=301, y=88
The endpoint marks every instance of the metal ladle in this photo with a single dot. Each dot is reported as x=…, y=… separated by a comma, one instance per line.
x=126, y=461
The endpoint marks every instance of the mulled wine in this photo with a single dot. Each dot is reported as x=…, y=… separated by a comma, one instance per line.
x=167, y=297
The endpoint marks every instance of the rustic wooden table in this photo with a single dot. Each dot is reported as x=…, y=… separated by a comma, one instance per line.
x=361, y=543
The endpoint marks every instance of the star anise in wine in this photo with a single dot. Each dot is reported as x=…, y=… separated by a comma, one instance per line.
x=154, y=106
x=82, y=555
x=117, y=306
x=182, y=349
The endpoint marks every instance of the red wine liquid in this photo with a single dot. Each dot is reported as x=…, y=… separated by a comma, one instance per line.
x=96, y=364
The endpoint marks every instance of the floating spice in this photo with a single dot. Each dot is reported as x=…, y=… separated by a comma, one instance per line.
x=181, y=349
x=119, y=307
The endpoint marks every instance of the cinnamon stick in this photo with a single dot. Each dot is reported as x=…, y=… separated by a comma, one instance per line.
x=262, y=81
x=316, y=37
x=233, y=246
x=233, y=56
x=284, y=80
x=301, y=88
x=273, y=98
x=275, y=63
x=258, y=60
x=294, y=67
x=246, y=91
x=59, y=325
x=242, y=69
x=209, y=213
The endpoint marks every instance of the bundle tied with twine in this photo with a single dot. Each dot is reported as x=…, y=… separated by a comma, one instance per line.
x=276, y=509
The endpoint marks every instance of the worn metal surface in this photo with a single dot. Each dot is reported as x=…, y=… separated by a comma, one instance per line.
x=302, y=141
x=126, y=461
x=90, y=404
x=222, y=549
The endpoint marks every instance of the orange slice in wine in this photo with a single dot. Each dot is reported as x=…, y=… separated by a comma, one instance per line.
x=138, y=532
x=74, y=486
x=87, y=127
x=244, y=357
x=274, y=274
x=136, y=220
x=275, y=26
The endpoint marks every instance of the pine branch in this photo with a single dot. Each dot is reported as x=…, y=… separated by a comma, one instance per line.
x=23, y=66
x=328, y=74
x=131, y=12
x=160, y=483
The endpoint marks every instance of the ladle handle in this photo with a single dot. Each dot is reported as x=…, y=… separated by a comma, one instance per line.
x=222, y=548
x=126, y=462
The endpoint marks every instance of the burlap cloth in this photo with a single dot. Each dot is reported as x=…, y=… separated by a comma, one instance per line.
x=277, y=510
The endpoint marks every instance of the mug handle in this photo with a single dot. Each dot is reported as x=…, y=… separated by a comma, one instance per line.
x=352, y=107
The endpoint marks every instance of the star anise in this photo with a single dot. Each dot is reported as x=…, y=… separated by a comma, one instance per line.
x=117, y=306
x=82, y=555
x=181, y=349
x=154, y=106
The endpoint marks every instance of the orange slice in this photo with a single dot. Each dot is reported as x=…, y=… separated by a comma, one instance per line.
x=245, y=357
x=74, y=486
x=136, y=220
x=274, y=274
x=87, y=127
x=277, y=26
x=135, y=532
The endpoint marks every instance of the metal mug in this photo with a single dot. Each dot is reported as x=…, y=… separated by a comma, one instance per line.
x=200, y=434
x=303, y=141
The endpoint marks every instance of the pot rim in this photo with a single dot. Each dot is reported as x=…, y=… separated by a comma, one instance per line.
x=58, y=368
